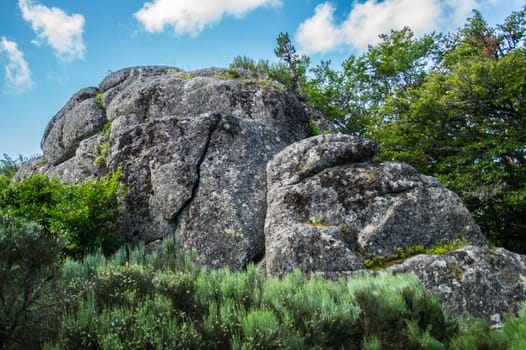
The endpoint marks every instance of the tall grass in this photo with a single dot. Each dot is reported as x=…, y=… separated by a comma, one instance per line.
x=140, y=300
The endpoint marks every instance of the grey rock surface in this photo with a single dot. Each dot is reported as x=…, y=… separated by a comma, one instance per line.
x=76, y=169
x=79, y=119
x=482, y=282
x=225, y=164
x=324, y=188
x=193, y=148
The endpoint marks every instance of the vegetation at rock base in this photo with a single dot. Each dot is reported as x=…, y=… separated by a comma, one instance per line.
x=135, y=299
x=84, y=216
x=29, y=274
x=451, y=105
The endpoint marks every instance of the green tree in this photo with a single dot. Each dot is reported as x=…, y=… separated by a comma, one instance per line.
x=354, y=96
x=466, y=125
x=297, y=64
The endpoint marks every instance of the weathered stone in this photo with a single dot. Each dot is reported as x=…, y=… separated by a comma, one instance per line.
x=76, y=169
x=313, y=155
x=193, y=147
x=80, y=118
x=38, y=165
x=133, y=73
x=483, y=282
x=371, y=209
x=117, y=81
x=230, y=203
x=203, y=156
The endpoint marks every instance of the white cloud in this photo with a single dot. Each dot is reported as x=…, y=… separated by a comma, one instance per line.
x=319, y=33
x=191, y=16
x=455, y=12
x=17, y=72
x=54, y=27
x=368, y=19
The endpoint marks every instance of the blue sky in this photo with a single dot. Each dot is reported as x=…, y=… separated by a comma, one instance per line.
x=49, y=49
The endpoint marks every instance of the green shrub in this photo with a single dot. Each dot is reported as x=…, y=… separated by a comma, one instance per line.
x=398, y=312
x=29, y=271
x=319, y=310
x=8, y=169
x=126, y=302
x=515, y=330
x=478, y=335
x=139, y=300
x=85, y=216
x=79, y=327
x=260, y=329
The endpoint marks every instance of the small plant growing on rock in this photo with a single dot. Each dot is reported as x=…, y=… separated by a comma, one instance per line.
x=376, y=263
x=101, y=150
x=315, y=222
x=315, y=131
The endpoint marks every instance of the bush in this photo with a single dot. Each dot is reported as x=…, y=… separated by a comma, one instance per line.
x=139, y=300
x=8, y=169
x=515, y=330
x=398, y=312
x=477, y=334
x=85, y=216
x=29, y=271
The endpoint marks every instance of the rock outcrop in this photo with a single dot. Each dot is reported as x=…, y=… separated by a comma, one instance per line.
x=193, y=148
x=482, y=282
x=329, y=208
x=226, y=165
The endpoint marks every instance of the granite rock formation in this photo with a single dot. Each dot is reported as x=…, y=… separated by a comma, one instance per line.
x=193, y=148
x=329, y=207
x=224, y=161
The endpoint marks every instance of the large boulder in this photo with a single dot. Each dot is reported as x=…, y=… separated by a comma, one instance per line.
x=193, y=149
x=329, y=207
x=479, y=281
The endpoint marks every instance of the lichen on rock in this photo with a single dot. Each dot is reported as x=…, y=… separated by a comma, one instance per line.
x=368, y=208
x=224, y=161
x=193, y=148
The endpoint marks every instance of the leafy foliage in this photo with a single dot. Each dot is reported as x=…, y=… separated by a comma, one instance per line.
x=8, y=169
x=85, y=216
x=165, y=300
x=452, y=106
x=278, y=71
x=139, y=300
x=29, y=270
x=297, y=65
x=9, y=166
x=354, y=96
x=290, y=70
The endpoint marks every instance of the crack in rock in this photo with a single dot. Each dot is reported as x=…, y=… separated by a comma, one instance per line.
x=177, y=216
